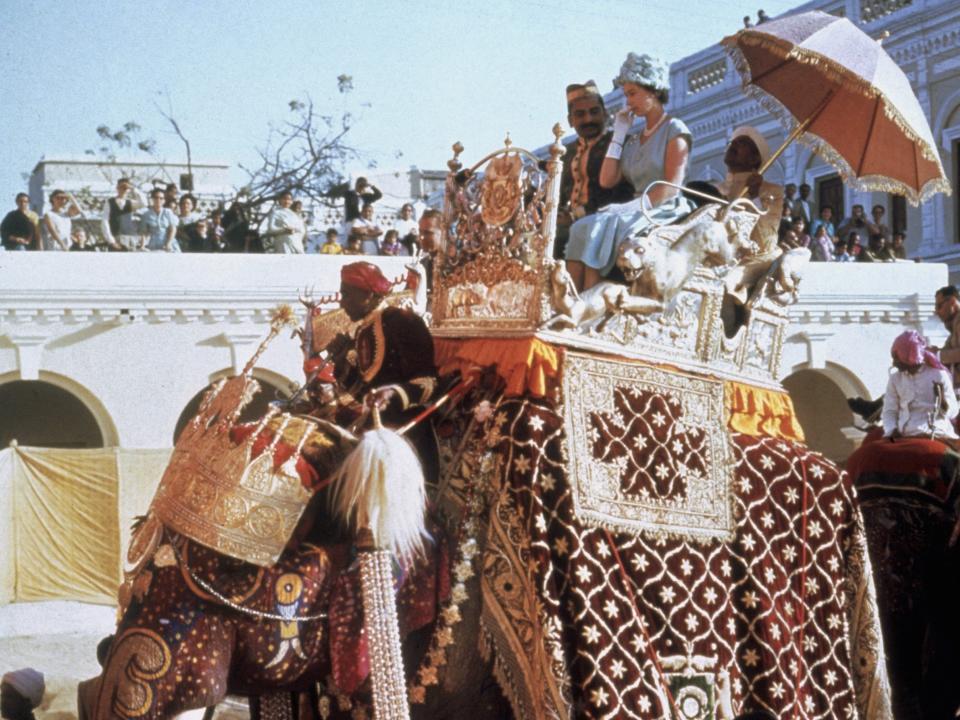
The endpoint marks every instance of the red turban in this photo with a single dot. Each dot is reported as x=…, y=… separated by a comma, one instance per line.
x=365, y=276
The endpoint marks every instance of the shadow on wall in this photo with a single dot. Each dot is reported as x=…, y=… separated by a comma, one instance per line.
x=38, y=414
x=255, y=410
x=822, y=410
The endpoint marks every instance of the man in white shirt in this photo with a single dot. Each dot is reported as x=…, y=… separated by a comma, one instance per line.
x=118, y=224
x=919, y=401
x=57, y=224
x=285, y=230
x=367, y=230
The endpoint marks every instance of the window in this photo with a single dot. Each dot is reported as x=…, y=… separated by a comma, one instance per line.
x=898, y=214
x=830, y=192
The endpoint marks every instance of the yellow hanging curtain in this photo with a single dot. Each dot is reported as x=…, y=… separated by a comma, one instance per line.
x=757, y=411
x=67, y=538
x=66, y=521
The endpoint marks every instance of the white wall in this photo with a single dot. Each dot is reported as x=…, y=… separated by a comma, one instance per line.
x=136, y=336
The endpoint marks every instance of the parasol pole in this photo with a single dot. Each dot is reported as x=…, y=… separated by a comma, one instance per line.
x=794, y=134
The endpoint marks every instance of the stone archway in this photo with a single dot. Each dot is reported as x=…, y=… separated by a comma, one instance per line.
x=42, y=414
x=270, y=389
x=821, y=407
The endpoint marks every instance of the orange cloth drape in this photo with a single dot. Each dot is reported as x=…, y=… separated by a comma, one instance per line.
x=527, y=365
x=531, y=366
x=755, y=411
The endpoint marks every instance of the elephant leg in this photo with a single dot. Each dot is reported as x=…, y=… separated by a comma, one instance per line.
x=147, y=677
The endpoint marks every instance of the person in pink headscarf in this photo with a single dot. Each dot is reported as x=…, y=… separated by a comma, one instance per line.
x=919, y=401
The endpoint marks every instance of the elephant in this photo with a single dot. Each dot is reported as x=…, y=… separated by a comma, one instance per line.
x=533, y=600
x=208, y=625
x=199, y=624
x=910, y=495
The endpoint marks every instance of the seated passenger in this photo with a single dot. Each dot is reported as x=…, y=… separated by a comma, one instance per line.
x=658, y=152
x=581, y=193
x=746, y=153
x=919, y=401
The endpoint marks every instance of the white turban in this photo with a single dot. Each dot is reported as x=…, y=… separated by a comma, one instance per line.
x=28, y=682
x=757, y=138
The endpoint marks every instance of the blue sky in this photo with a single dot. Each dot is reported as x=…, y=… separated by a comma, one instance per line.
x=426, y=72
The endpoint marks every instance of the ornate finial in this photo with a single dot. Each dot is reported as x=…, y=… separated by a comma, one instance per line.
x=507, y=142
x=454, y=162
x=283, y=315
x=556, y=150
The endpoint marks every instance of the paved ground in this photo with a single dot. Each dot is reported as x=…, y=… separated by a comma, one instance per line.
x=60, y=640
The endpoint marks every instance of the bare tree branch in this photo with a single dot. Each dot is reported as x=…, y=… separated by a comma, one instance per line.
x=168, y=116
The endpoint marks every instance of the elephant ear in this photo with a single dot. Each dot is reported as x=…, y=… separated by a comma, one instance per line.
x=380, y=486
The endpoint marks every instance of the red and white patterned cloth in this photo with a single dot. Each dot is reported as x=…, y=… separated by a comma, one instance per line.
x=780, y=618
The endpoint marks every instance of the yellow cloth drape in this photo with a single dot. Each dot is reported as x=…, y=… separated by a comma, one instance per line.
x=67, y=536
x=526, y=365
x=65, y=519
x=756, y=411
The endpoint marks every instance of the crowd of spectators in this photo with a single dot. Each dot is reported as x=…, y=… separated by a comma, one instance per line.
x=171, y=222
x=853, y=239
x=166, y=221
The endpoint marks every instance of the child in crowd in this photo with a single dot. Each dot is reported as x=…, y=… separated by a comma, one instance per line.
x=391, y=243
x=331, y=245
x=354, y=245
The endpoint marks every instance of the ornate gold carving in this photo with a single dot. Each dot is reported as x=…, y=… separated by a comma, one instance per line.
x=501, y=190
x=647, y=453
x=500, y=218
x=138, y=657
x=215, y=492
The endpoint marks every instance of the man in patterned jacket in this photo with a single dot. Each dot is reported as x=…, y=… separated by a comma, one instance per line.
x=388, y=361
x=580, y=190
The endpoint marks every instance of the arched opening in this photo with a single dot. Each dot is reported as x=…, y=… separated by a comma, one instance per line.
x=255, y=409
x=822, y=410
x=40, y=414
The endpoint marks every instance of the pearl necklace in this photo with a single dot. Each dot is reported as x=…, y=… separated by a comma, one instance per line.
x=647, y=132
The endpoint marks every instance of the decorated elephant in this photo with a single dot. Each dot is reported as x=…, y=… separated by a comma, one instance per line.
x=625, y=523
x=200, y=622
x=909, y=490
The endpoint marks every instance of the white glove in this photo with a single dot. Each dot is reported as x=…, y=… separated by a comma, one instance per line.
x=622, y=122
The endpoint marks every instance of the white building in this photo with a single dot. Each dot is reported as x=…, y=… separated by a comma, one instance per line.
x=93, y=181
x=924, y=37
x=113, y=349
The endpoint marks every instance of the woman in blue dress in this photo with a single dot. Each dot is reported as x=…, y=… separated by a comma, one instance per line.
x=658, y=152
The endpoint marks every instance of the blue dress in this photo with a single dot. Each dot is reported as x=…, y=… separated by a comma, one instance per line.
x=595, y=239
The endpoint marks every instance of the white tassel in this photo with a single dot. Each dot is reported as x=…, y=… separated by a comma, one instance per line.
x=381, y=486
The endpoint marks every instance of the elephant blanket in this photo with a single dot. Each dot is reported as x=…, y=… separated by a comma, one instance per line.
x=664, y=585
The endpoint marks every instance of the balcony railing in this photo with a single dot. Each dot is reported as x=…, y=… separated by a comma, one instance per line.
x=871, y=10
x=706, y=76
